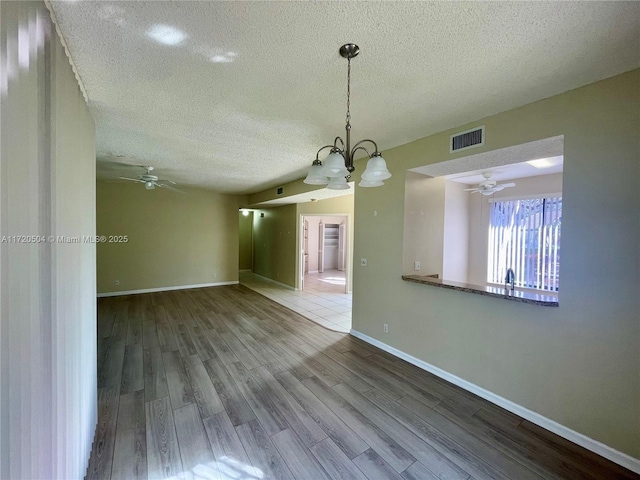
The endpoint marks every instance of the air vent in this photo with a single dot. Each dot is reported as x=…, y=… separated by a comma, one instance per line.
x=467, y=139
x=280, y=191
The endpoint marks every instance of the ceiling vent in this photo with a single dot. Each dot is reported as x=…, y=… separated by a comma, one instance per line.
x=467, y=139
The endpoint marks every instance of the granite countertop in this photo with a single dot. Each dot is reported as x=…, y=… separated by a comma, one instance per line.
x=496, y=292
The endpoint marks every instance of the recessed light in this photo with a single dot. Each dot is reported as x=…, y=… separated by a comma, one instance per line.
x=166, y=34
x=224, y=57
x=546, y=162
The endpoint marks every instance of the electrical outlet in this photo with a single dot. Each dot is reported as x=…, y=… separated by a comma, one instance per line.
x=416, y=266
x=363, y=262
x=386, y=328
x=117, y=282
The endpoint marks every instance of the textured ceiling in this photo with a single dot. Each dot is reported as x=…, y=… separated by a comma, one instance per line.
x=244, y=93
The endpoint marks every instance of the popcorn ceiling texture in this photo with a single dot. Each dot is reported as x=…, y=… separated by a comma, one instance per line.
x=256, y=120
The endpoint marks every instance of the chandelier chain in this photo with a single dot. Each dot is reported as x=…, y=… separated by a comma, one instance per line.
x=348, y=90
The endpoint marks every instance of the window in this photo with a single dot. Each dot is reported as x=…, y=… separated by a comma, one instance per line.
x=524, y=235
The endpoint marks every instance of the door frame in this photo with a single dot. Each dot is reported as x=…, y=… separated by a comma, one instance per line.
x=300, y=249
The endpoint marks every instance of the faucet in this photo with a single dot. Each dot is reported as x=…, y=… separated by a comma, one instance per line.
x=510, y=279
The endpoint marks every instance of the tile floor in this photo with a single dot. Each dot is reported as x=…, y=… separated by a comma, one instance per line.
x=323, y=299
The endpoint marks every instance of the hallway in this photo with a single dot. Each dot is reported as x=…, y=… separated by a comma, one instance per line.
x=322, y=300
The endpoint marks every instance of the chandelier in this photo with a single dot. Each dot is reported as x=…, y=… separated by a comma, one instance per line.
x=337, y=168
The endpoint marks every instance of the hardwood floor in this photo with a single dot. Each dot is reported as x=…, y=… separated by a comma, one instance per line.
x=223, y=383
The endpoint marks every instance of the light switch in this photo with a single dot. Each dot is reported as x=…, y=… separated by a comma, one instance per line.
x=416, y=266
x=363, y=262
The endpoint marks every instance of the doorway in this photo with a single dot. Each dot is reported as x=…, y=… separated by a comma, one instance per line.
x=324, y=256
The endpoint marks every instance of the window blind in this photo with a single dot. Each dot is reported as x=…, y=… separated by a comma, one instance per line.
x=524, y=235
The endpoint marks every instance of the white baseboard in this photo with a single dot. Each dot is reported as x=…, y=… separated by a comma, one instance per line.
x=283, y=285
x=164, y=289
x=599, y=448
x=245, y=270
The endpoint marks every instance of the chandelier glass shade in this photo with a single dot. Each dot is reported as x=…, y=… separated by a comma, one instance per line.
x=336, y=170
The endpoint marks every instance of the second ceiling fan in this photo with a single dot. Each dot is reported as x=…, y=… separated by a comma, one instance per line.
x=488, y=186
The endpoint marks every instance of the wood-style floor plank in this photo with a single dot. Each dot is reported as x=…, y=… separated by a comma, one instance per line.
x=223, y=383
x=299, y=459
x=163, y=451
x=419, y=449
x=102, y=454
x=297, y=418
x=247, y=358
x=204, y=392
x=225, y=443
x=110, y=368
x=184, y=340
x=223, y=351
x=262, y=453
x=166, y=336
x=202, y=344
x=345, y=438
x=234, y=403
x=374, y=466
x=134, y=329
x=355, y=380
x=130, y=453
x=454, y=460
x=195, y=450
x=260, y=398
x=155, y=379
x=132, y=372
x=394, y=454
x=180, y=390
x=335, y=462
x=417, y=471
x=120, y=326
x=493, y=464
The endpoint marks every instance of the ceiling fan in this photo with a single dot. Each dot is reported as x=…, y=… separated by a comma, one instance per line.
x=489, y=186
x=152, y=181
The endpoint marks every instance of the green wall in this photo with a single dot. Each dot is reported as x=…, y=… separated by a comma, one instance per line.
x=245, y=233
x=173, y=239
x=274, y=244
x=578, y=364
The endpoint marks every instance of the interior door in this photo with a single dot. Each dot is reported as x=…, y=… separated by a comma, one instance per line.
x=321, y=247
x=303, y=250
x=341, y=259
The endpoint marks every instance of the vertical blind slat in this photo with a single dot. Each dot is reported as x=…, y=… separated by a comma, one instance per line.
x=525, y=235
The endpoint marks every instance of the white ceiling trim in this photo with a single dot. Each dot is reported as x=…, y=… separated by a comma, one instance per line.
x=52, y=14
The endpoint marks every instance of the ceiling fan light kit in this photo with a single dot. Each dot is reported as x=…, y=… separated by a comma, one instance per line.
x=489, y=187
x=337, y=168
x=152, y=181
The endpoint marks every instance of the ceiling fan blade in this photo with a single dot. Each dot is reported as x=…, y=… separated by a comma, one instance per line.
x=169, y=187
x=132, y=179
x=507, y=185
x=472, y=189
x=169, y=181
